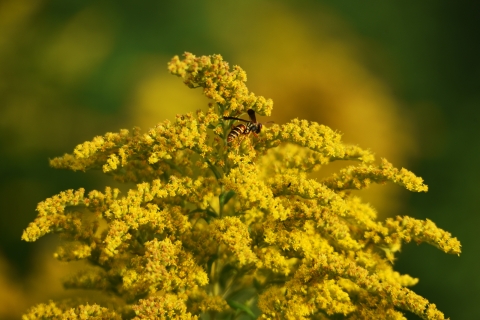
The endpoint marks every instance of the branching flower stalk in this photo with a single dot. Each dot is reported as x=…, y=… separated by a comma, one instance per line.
x=217, y=230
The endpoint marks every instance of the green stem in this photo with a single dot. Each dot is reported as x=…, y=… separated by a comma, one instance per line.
x=217, y=174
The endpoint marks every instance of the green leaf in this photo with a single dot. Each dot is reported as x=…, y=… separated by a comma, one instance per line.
x=239, y=306
x=211, y=213
x=226, y=196
x=196, y=210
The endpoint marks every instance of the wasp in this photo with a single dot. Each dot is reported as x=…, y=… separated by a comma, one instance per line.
x=244, y=129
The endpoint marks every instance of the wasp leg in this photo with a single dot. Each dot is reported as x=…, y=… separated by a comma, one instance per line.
x=238, y=143
x=258, y=137
x=251, y=142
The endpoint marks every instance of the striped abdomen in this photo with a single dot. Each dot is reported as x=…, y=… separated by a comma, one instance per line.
x=237, y=131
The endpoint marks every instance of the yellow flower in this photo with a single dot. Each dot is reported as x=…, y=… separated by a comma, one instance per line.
x=219, y=229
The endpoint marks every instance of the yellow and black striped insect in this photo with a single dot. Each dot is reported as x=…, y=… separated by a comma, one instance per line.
x=244, y=129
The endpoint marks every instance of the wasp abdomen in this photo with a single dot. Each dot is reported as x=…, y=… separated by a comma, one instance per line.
x=236, y=131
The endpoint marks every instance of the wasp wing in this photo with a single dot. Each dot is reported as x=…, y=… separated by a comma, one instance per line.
x=251, y=114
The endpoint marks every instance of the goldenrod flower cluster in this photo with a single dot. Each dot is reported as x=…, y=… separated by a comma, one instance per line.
x=217, y=230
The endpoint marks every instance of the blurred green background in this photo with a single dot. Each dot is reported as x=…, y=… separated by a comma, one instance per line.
x=402, y=79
